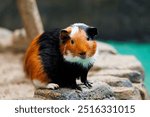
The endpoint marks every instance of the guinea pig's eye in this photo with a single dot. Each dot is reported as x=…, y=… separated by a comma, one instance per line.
x=72, y=41
x=88, y=38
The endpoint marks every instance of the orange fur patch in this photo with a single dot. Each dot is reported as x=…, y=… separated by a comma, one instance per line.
x=81, y=44
x=32, y=63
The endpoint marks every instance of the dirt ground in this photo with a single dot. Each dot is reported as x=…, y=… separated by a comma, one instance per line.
x=13, y=83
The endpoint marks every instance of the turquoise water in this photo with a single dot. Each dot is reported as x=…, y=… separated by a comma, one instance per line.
x=141, y=51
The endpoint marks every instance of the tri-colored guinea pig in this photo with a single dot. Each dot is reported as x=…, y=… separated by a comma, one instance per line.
x=58, y=57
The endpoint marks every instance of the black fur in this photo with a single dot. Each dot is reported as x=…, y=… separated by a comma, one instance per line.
x=60, y=71
x=91, y=32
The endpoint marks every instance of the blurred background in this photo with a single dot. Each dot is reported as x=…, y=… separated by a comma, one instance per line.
x=125, y=24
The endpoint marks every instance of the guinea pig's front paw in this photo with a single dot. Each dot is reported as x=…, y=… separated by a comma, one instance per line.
x=52, y=86
x=88, y=84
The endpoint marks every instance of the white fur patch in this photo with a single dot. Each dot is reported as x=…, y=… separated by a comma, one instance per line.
x=74, y=30
x=75, y=27
x=38, y=84
x=84, y=62
x=52, y=86
x=80, y=24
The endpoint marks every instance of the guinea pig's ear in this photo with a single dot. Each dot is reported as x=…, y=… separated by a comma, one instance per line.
x=92, y=31
x=64, y=35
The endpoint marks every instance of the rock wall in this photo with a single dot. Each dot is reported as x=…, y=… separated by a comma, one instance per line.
x=114, y=76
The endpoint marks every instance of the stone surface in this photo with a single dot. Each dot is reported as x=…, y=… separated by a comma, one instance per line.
x=126, y=93
x=5, y=38
x=13, y=83
x=109, y=61
x=133, y=76
x=111, y=80
x=99, y=91
x=141, y=88
x=11, y=69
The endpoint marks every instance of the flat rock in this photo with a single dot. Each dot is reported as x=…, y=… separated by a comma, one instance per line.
x=119, y=62
x=126, y=93
x=104, y=87
x=132, y=75
x=112, y=81
x=99, y=91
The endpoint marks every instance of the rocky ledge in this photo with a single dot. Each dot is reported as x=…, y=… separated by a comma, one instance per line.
x=114, y=76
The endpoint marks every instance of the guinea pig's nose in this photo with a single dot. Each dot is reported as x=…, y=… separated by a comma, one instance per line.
x=82, y=53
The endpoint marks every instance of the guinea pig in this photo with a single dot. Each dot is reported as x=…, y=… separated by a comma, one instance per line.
x=57, y=58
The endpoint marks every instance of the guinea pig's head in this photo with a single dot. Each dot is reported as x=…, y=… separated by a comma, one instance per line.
x=77, y=43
